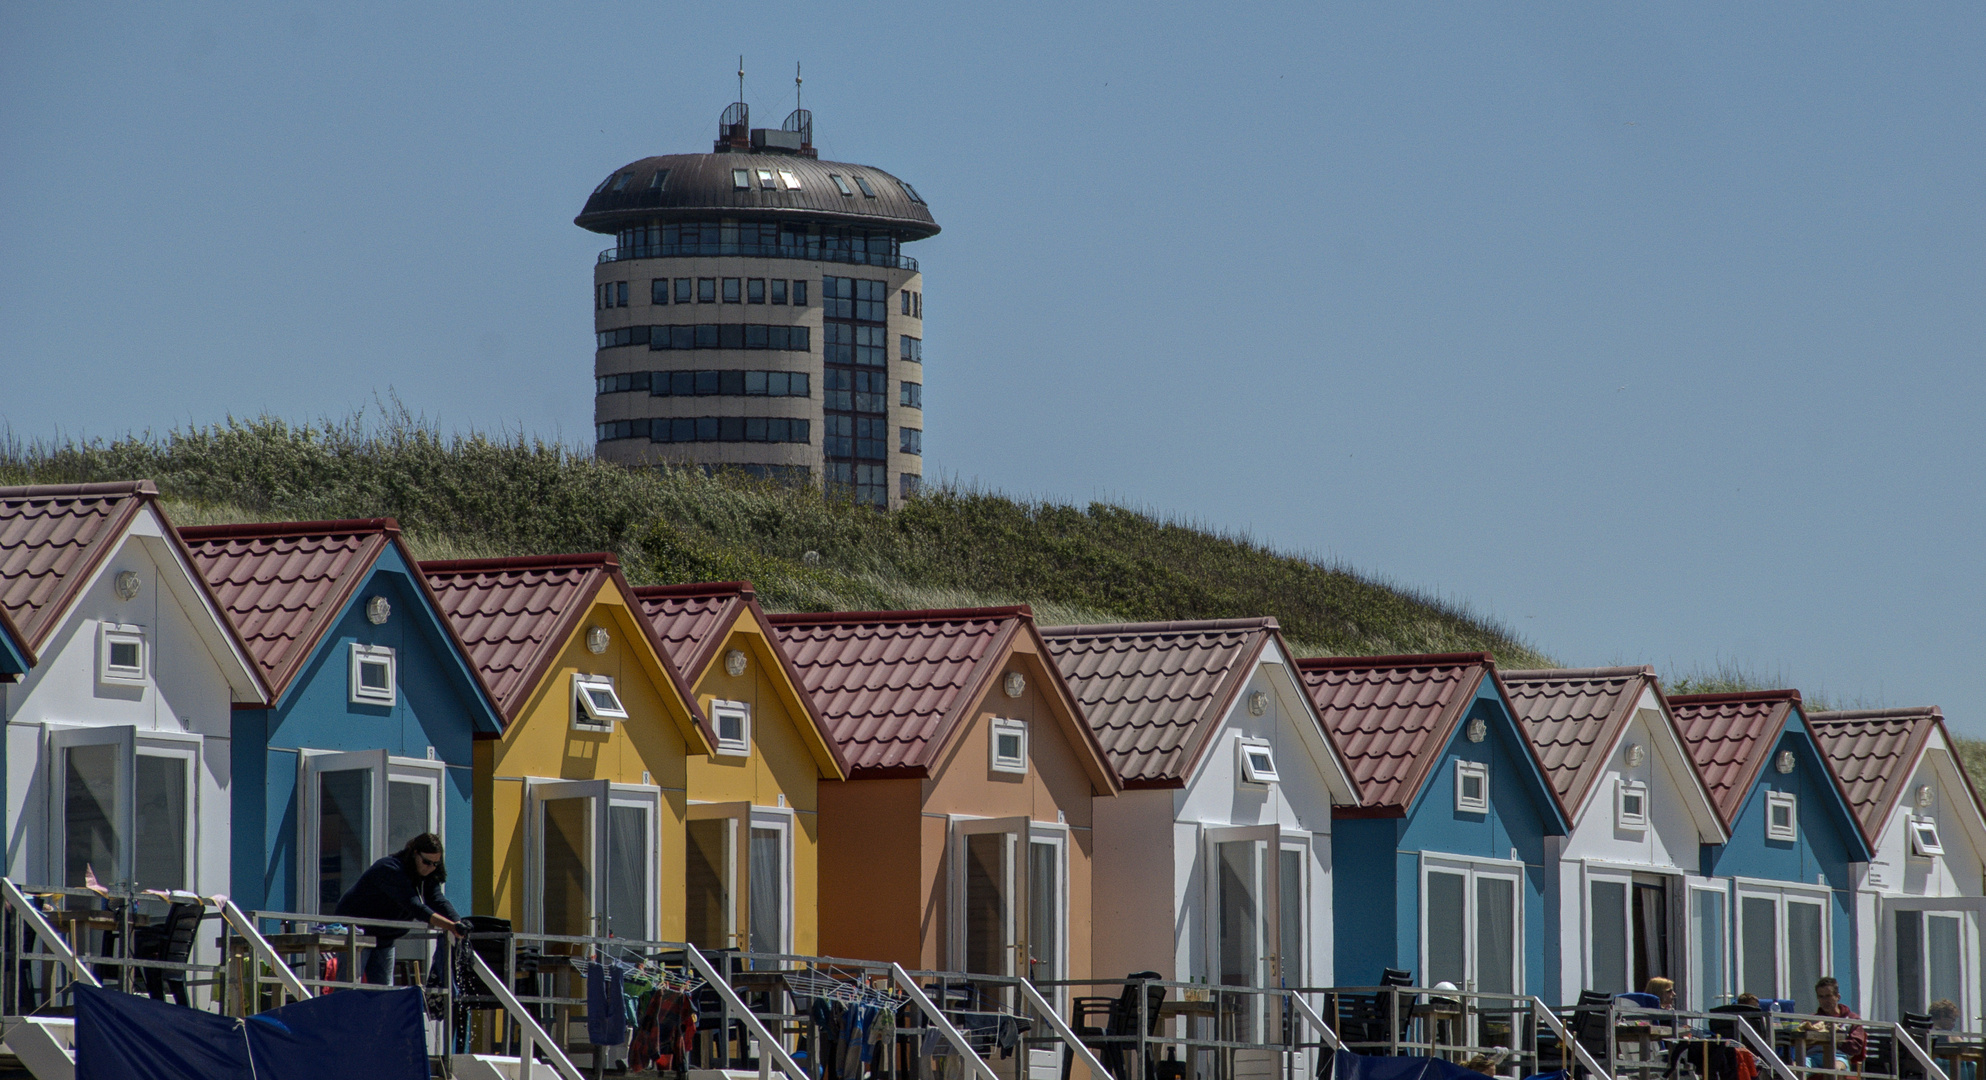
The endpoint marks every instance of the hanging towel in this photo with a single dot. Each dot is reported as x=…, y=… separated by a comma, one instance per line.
x=606, y=1016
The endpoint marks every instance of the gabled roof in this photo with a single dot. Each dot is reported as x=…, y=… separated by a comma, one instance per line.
x=282, y=584
x=894, y=687
x=1874, y=753
x=692, y=621
x=1390, y=715
x=1575, y=717
x=1729, y=737
x=1155, y=693
x=54, y=538
x=515, y=615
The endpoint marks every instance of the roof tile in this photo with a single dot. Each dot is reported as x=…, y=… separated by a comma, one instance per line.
x=1873, y=753
x=1728, y=736
x=51, y=537
x=1572, y=716
x=1384, y=713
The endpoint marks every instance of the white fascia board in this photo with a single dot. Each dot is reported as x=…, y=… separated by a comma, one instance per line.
x=185, y=588
x=1294, y=702
x=1681, y=770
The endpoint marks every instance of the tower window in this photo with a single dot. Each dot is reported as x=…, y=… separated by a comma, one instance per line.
x=905, y=295
x=799, y=294
x=706, y=290
x=682, y=290
x=910, y=395
x=620, y=294
x=909, y=484
x=655, y=182
x=731, y=290
x=778, y=290
x=741, y=179
x=755, y=290
x=839, y=184
x=919, y=313
x=658, y=291
x=910, y=440
x=912, y=349
x=766, y=181
x=863, y=183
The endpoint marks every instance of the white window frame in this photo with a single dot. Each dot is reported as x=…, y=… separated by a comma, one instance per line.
x=791, y=179
x=1787, y=799
x=131, y=745
x=386, y=770
x=1623, y=818
x=1015, y=766
x=1471, y=870
x=763, y=817
x=1611, y=876
x=740, y=746
x=1057, y=836
x=364, y=656
x=1782, y=894
x=586, y=714
x=1018, y=830
x=1924, y=840
x=1245, y=767
x=1693, y=952
x=741, y=179
x=109, y=634
x=1464, y=770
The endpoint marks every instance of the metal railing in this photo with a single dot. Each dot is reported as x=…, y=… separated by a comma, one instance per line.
x=55, y=938
x=1789, y=1046
x=758, y=251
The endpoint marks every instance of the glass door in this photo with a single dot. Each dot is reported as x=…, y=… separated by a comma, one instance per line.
x=768, y=885
x=1607, y=922
x=628, y=857
x=92, y=801
x=1470, y=925
x=710, y=874
x=1047, y=915
x=1709, y=953
x=1782, y=943
x=121, y=808
x=989, y=879
x=1246, y=891
x=564, y=817
x=353, y=809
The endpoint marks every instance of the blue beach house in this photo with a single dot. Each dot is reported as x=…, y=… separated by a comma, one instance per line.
x=1440, y=870
x=373, y=708
x=1787, y=874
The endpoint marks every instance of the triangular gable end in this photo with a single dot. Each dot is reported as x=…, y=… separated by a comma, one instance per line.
x=613, y=596
x=1271, y=657
x=1505, y=727
x=1840, y=809
x=749, y=626
x=1021, y=631
x=395, y=558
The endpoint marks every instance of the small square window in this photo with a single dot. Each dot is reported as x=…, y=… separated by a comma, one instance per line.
x=863, y=183
x=706, y=290
x=733, y=723
x=1258, y=762
x=1009, y=746
x=778, y=290
x=373, y=681
x=1781, y=816
x=1631, y=806
x=1924, y=841
x=682, y=290
x=1471, y=787
x=755, y=290
x=741, y=179
x=840, y=184
x=732, y=290
x=595, y=705
x=121, y=655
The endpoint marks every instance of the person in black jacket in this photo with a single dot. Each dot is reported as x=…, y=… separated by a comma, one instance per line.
x=404, y=886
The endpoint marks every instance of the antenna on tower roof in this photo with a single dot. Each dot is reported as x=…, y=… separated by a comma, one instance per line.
x=741, y=77
x=796, y=84
x=800, y=120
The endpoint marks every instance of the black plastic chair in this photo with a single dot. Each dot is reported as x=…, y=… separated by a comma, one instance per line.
x=1728, y=1029
x=1918, y=1027
x=168, y=941
x=1589, y=1023
x=1120, y=1016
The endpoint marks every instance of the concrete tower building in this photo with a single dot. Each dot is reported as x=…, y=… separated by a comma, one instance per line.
x=757, y=312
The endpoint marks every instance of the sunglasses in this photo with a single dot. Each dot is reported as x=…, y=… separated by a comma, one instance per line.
x=429, y=861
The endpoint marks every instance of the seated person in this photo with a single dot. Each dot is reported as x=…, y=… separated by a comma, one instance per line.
x=1944, y=1015
x=1852, y=1047
x=1664, y=991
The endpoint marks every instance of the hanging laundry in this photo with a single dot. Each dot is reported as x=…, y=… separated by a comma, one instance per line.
x=606, y=1016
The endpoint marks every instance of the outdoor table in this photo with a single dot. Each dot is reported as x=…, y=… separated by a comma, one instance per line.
x=313, y=945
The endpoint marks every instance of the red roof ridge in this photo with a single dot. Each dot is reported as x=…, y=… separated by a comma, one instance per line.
x=1910, y=712
x=260, y=529
x=837, y=618
x=1737, y=696
x=1568, y=674
x=112, y=487
x=696, y=588
x=521, y=562
x=1409, y=660
x=1258, y=622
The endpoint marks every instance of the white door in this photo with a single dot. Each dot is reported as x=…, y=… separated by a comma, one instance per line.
x=122, y=807
x=1709, y=922
x=590, y=857
x=1471, y=925
x=1782, y=943
x=1245, y=894
x=1935, y=958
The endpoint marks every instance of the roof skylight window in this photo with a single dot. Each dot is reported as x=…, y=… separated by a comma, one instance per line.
x=655, y=182
x=790, y=179
x=840, y=184
x=912, y=192
x=766, y=180
x=741, y=179
x=595, y=705
x=621, y=181
x=863, y=183
x=604, y=183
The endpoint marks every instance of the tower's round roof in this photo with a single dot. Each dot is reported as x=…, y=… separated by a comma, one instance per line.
x=702, y=184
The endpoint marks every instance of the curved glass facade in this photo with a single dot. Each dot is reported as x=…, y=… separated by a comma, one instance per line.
x=761, y=239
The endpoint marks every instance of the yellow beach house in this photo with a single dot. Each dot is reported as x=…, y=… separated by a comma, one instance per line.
x=752, y=865
x=580, y=802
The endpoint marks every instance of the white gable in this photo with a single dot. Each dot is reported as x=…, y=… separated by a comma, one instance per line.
x=1678, y=815
x=1934, y=793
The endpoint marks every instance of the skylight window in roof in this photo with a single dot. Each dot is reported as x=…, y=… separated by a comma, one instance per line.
x=912, y=192
x=863, y=183
x=604, y=183
x=840, y=184
x=1924, y=841
x=766, y=180
x=741, y=179
x=655, y=182
x=595, y=705
x=621, y=181
x=790, y=179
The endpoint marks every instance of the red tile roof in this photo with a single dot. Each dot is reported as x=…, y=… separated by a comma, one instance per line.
x=52, y=539
x=282, y=584
x=1154, y=693
x=514, y=615
x=692, y=621
x=1573, y=717
x=1874, y=753
x=1387, y=714
x=893, y=687
x=1729, y=736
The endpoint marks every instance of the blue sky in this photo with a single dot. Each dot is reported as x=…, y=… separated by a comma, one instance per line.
x=1653, y=331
